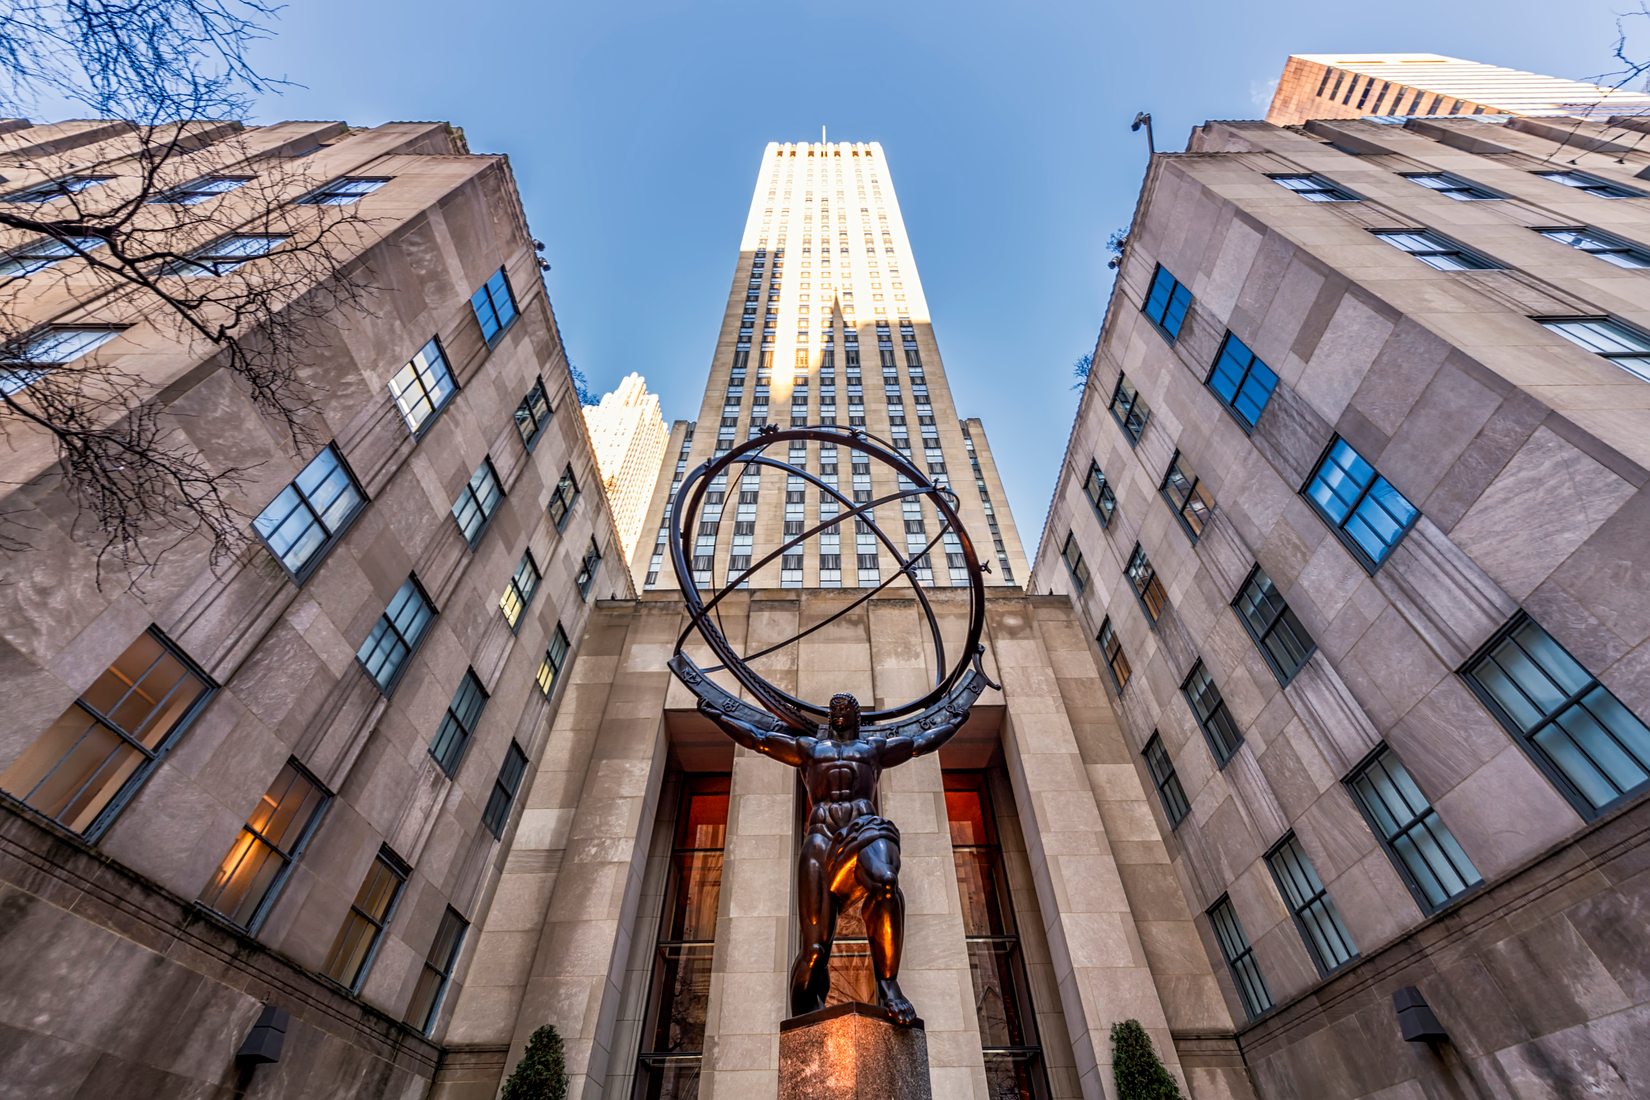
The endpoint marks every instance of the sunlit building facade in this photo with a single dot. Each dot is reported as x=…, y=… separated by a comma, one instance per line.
x=629, y=435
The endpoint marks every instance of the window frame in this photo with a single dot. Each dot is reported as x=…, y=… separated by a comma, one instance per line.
x=499, y=804
x=387, y=689
x=1359, y=554
x=321, y=195
x=1133, y=406
x=453, y=734
x=444, y=973
x=1613, y=244
x=207, y=261
x=402, y=872
x=1079, y=570
x=1440, y=246
x=503, y=324
x=1222, y=756
x=1286, y=618
x=422, y=427
x=1399, y=864
x=1152, y=583
x=527, y=568
x=591, y=563
x=272, y=892
x=567, y=502
x=1227, y=940
x=1290, y=842
x=19, y=374
x=1595, y=185
x=1615, y=359
x=537, y=389
x=59, y=187
x=1112, y=653
x=1247, y=372
x=188, y=194
x=1177, y=292
x=38, y=255
x=1195, y=492
x=1459, y=188
x=1104, y=499
x=469, y=495
x=334, y=534
x=1325, y=186
x=1164, y=780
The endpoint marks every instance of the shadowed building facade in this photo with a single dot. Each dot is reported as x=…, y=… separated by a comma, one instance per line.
x=1355, y=511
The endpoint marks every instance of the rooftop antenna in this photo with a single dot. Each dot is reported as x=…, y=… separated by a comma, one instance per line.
x=822, y=133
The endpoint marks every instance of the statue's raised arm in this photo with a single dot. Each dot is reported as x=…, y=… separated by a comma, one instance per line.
x=775, y=739
x=900, y=747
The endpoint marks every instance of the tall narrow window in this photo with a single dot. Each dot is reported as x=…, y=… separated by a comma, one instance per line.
x=1100, y=494
x=1002, y=994
x=1117, y=663
x=458, y=725
x=1129, y=409
x=1364, y=508
x=497, y=812
x=1627, y=348
x=1073, y=555
x=1594, y=748
x=1420, y=845
x=673, y=1036
x=1283, y=641
x=1169, y=790
x=423, y=387
x=1243, y=383
x=384, y=654
x=519, y=592
x=1316, y=917
x=437, y=973
x=1213, y=717
x=563, y=498
x=1610, y=249
x=1314, y=188
x=1187, y=495
x=1145, y=585
x=1166, y=303
x=369, y=914
x=39, y=255
x=554, y=658
x=1434, y=249
x=1240, y=958
x=309, y=515
x=89, y=761
x=224, y=254
x=494, y=305
x=477, y=502
x=587, y=570
x=345, y=191
x=533, y=414
x=254, y=870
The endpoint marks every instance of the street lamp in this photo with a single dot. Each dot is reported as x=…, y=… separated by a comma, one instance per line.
x=1144, y=119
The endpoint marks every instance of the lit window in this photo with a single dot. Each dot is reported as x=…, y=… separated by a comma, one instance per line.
x=533, y=414
x=1186, y=494
x=477, y=502
x=555, y=657
x=1315, y=915
x=49, y=347
x=1576, y=730
x=423, y=387
x=1422, y=848
x=80, y=770
x=497, y=812
x=369, y=914
x=1166, y=303
x=459, y=723
x=1100, y=494
x=1244, y=383
x=307, y=516
x=1117, y=662
x=1314, y=188
x=384, y=654
x=1240, y=958
x=1073, y=555
x=1610, y=249
x=1143, y=580
x=1434, y=249
x=1627, y=348
x=342, y=192
x=519, y=592
x=563, y=498
x=200, y=190
x=1169, y=790
x=224, y=254
x=1283, y=641
x=438, y=971
x=1129, y=409
x=1213, y=717
x=56, y=189
x=41, y=254
x=1369, y=514
x=587, y=570
x=1453, y=186
x=1592, y=185
x=494, y=305
x=252, y=874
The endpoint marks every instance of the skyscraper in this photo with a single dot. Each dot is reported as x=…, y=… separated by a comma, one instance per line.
x=1411, y=84
x=826, y=323
x=629, y=435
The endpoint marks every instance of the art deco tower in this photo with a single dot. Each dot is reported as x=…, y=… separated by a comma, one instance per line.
x=826, y=323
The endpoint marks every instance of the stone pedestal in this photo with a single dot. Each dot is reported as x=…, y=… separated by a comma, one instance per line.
x=852, y=1052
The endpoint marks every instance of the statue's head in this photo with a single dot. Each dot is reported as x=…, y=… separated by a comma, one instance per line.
x=844, y=721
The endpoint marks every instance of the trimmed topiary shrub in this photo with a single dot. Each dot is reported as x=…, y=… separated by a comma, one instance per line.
x=1135, y=1067
x=542, y=1072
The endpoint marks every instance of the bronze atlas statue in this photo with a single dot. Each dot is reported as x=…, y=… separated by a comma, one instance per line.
x=850, y=853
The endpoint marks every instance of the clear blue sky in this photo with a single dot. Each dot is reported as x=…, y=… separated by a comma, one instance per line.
x=635, y=131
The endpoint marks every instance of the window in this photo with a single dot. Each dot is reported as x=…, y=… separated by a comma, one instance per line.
x=1427, y=856
x=369, y=914
x=1129, y=409
x=79, y=771
x=1314, y=188
x=1592, y=185
x=423, y=387
x=533, y=414
x=519, y=592
x=1283, y=641
x=1186, y=494
x=562, y=499
x=254, y=870
x=41, y=254
x=342, y=192
x=1240, y=957
x=1608, y=248
x=1362, y=506
x=494, y=305
x=477, y=502
x=188, y=194
x=587, y=570
x=554, y=658
x=1073, y=554
x=1100, y=494
x=1316, y=917
x=307, y=516
x=1212, y=715
x=1433, y=249
x=1116, y=661
x=1593, y=747
x=1169, y=790
x=224, y=254
x=1627, y=348
x=1452, y=186
x=1244, y=383
x=1166, y=303
x=56, y=189
x=1147, y=588
x=437, y=971
x=384, y=654
x=459, y=723
x=51, y=346
x=497, y=813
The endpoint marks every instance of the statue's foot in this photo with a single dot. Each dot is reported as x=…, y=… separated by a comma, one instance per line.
x=893, y=1002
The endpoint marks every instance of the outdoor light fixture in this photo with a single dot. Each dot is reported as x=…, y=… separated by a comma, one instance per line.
x=1416, y=1020
x=1144, y=118
x=263, y=1043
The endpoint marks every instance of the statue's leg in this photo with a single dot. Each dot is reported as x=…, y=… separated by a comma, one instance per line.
x=884, y=911
x=811, y=974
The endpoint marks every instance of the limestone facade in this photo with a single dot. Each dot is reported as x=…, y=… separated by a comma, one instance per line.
x=629, y=435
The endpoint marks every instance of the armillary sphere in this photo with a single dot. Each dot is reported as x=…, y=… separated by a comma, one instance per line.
x=957, y=682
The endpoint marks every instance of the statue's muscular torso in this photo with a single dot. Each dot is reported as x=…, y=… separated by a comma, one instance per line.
x=841, y=779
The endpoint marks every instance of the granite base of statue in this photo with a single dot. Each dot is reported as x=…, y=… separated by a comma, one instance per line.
x=852, y=1052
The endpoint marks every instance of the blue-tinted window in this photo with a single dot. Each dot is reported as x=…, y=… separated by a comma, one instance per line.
x=39, y=255
x=1592, y=185
x=1627, y=348
x=384, y=654
x=56, y=189
x=1610, y=249
x=477, y=502
x=1243, y=382
x=307, y=516
x=494, y=305
x=1314, y=188
x=1167, y=302
x=1434, y=249
x=342, y=192
x=423, y=387
x=1364, y=508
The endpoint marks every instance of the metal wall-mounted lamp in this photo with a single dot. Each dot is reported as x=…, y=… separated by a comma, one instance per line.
x=1416, y=1020
x=263, y=1043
